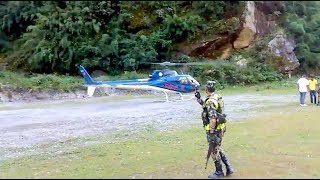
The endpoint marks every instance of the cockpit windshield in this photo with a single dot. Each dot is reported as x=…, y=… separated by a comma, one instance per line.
x=189, y=80
x=193, y=81
x=183, y=80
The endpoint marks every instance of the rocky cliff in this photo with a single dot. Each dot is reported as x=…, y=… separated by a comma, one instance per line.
x=258, y=19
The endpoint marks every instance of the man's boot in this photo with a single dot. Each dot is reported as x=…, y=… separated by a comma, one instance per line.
x=227, y=163
x=218, y=173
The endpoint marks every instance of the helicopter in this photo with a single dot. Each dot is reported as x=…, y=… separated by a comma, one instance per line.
x=166, y=81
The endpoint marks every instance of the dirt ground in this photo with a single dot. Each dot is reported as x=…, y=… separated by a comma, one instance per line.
x=28, y=127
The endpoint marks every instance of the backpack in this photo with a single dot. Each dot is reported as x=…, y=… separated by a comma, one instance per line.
x=220, y=101
x=220, y=109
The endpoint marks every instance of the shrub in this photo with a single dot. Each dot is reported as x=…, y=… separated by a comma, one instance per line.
x=228, y=73
x=296, y=28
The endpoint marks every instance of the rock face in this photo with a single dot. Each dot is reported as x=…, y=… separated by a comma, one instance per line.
x=282, y=47
x=247, y=34
x=211, y=48
x=258, y=19
x=266, y=15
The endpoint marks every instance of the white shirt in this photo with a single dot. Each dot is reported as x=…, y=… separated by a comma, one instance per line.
x=303, y=83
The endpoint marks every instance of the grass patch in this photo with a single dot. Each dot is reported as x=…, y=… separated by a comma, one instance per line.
x=276, y=87
x=287, y=86
x=282, y=143
x=41, y=81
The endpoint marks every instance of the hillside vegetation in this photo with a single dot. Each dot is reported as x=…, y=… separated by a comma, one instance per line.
x=302, y=19
x=52, y=37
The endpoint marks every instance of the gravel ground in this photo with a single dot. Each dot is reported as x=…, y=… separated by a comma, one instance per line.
x=27, y=128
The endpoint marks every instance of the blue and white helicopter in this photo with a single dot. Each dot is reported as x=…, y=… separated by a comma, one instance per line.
x=166, y=80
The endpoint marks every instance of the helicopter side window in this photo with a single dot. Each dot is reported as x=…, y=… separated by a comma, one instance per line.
x=183, y=80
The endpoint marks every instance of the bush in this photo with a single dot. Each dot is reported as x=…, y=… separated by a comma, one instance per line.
x=296, y=28
x=41, y=82
x=228, y=73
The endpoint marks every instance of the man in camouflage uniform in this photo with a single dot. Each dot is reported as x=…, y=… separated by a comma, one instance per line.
x=214, y=123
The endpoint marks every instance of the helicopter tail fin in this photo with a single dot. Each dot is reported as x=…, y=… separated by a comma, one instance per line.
x=86, y=76
x=88, y=81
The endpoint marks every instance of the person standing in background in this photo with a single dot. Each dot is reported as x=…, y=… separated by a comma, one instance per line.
x=303, y=84
x=318, y=104
x=312, y=87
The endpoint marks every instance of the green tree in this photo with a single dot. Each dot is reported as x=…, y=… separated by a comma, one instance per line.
x=302, y=20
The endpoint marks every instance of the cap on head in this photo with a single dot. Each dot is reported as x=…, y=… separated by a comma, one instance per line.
x=210, y=86
x=210, y=83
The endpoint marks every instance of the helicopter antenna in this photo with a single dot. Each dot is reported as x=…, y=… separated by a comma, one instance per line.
x=181, y=71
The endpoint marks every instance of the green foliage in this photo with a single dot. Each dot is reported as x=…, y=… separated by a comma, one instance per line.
x=296, y=28
x=178, y=28
x=302, y=20
x=53, y=37
x=124, y=75
x=4, y=42
x=15, y=17
x=63, y=38
x=41, y=82
x=210, y=9
x=228, y=73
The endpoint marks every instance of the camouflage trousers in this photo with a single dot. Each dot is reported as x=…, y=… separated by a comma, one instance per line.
x=217, y=153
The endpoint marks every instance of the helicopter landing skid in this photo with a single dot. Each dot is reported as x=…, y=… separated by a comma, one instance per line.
x=186, y=97
x=182, y=97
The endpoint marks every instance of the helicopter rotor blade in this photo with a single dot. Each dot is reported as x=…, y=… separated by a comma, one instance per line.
x=167, y=63
x=201, y=63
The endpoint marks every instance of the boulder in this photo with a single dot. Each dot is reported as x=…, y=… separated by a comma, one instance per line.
x=283, y=47
x=98, y=73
